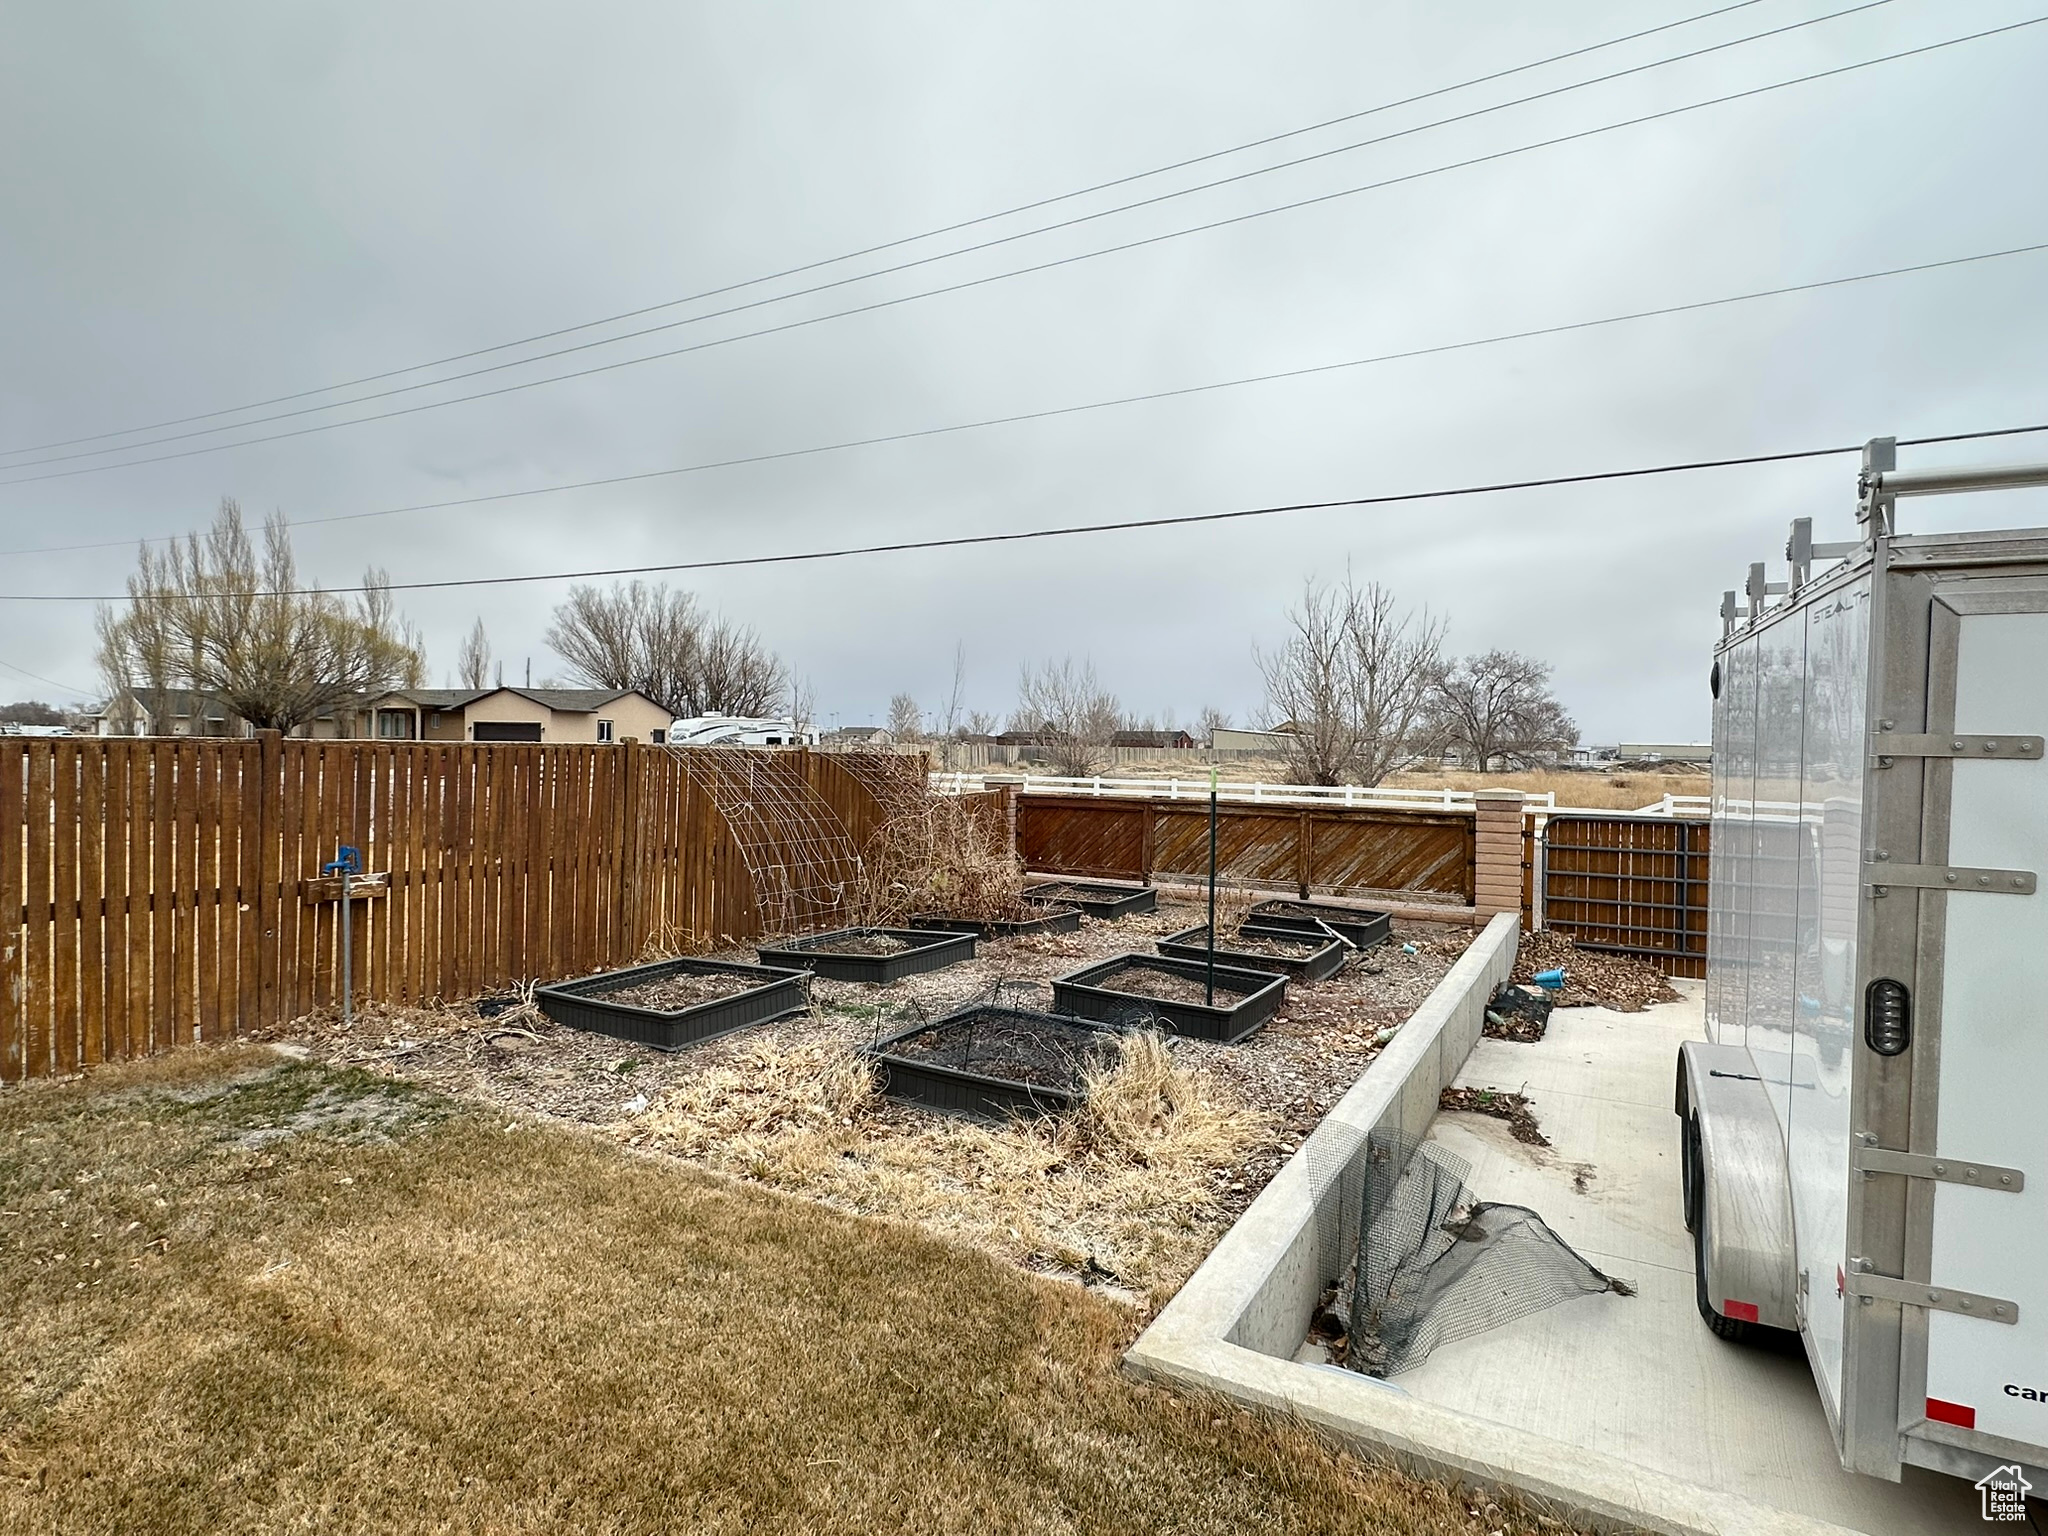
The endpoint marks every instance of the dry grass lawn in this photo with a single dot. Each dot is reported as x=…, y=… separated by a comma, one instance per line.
x=240, y=1296
x=1626, y=789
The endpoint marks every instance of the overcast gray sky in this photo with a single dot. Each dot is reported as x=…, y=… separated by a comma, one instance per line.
x=206, y=204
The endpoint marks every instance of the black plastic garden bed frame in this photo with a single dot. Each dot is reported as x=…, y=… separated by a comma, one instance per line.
x=1059, y=920
x=1311, y=965
x=959, y=1090
x=1260, y=996
x=1096, y=898
x=1290, y=919
x=929, y=951
x=581, y=1004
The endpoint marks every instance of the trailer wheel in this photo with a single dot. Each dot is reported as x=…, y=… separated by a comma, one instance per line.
x=1689, y=1169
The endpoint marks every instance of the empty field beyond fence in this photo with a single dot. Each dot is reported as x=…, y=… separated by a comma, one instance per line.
x=154, y=892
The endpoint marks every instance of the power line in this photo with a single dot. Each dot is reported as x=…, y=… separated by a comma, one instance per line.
x=963, y=541
x=889, y=245
x=905, y=266
x=8, y=666
x=964, y=285
x=1312, y=370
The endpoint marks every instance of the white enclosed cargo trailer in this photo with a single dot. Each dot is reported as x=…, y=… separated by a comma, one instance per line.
x=1865, y=1133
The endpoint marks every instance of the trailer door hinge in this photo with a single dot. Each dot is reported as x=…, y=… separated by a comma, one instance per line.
x=1946, y=1170
x=1950, y=877
x=1888, y=745
x=1937, y=1298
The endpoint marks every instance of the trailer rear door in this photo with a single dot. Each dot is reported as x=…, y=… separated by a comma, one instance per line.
x=1984, y=955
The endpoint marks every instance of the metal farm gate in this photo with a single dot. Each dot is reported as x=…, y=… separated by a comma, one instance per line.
x=1631, y=885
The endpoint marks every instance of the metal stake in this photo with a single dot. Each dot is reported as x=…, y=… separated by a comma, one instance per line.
x=347, y=861
x=1211, y=970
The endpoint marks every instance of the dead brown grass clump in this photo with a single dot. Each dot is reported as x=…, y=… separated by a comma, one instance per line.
x=470, y=1325
x=938, y=855
x=1127, y=1184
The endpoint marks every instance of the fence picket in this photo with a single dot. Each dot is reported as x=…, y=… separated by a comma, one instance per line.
x=13, y=919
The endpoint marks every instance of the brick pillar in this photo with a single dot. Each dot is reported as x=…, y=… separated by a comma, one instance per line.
x=1497, y=852
x=1009, y=786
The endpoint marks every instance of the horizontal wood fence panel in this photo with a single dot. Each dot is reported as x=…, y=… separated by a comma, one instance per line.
x=1334, y=851
x=155, y=892
x=1630, y=885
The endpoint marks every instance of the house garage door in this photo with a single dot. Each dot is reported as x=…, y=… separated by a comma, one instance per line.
x=505, y=730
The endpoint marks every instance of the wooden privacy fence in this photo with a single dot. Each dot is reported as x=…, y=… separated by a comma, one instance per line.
x=154, y=892
x=1311, y=850
x=1634, y=885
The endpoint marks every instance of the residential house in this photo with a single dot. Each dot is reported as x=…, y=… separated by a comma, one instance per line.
x=549, y=715
x=1275, y=742
x=1167, y=740
x=166, y=712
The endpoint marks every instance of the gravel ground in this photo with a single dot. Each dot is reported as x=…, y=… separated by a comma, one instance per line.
x=1294, y=1069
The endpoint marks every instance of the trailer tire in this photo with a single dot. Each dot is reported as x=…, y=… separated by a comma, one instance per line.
x=1689, y=1169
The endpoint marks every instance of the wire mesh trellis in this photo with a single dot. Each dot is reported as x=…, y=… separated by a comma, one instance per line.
x=897, y=782
x=796, y=848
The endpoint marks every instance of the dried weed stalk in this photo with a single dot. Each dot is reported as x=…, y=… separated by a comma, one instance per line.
x=937, y=855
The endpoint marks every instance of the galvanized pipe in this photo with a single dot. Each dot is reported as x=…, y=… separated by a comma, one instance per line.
x=1936, y=482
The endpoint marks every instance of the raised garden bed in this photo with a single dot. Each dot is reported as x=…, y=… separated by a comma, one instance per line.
x=674, y=1003
x=994, y=1061
x=1363, y=928
x=1054, y=920
x=877, y=955
x=1308, y=957
x=1095, y=898
x=1142, y=989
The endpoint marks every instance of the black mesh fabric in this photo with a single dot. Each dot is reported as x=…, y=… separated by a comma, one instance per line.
x=1434, y=1265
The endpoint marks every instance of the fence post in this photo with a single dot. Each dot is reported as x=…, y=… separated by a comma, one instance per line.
x=270, y=865
x=1007, y=785
x=1497, y=851
x=1145, y=842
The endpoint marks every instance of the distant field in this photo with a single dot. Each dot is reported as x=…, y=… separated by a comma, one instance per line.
x=1625, y=790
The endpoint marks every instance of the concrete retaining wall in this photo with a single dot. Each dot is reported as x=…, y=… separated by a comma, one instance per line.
x=1235, y=1326
x=1260, y=1285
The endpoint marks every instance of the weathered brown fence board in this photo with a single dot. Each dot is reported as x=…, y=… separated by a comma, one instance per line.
x=158, y=892
x=1328, y=850
x=1632, y=885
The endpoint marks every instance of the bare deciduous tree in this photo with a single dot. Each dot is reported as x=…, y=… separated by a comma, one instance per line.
x=209, y=615
x=658, y=641
x=1070, y=709
x=1499, y=707
x=1212, y=721
x=1353, y=682
x=736, y=673
x=473, y=661
x=983, y=722
x=956, y=696
x=803, y=704
x=906, y=722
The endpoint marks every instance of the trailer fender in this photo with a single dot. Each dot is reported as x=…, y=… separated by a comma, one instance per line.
x=1737, y=1192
